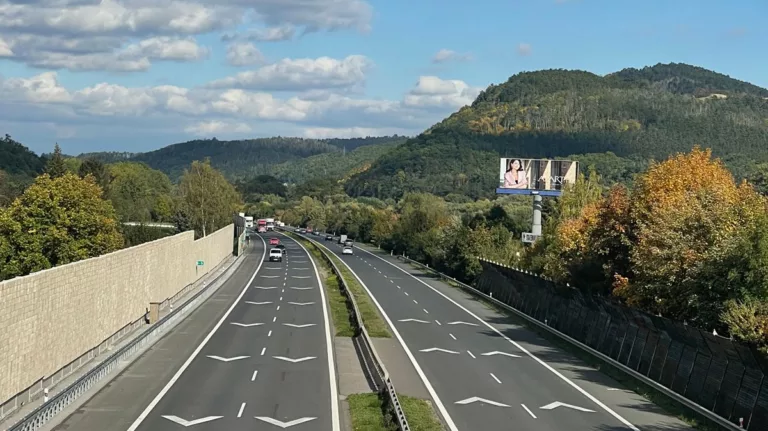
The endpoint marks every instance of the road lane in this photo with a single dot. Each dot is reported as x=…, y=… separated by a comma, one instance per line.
x=267, y=365
x=512, y=389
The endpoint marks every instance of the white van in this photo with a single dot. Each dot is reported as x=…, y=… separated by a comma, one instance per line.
x=275, y=255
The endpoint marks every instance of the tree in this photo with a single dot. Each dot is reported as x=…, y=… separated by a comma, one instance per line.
x=92, y=166
x=207, y=198
x=56, y=221
x=140, y=193
x=56, y=167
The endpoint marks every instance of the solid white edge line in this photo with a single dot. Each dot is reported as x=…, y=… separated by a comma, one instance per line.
x=186, y=364
x=328, y=342
x=443, y=412
x=516, y=344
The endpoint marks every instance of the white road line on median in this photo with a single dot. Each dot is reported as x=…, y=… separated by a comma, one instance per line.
x=452, y=336
x=529, y=411
x=470, y=354
x=437, y=401
x=495, y=378
x=335, y=421
x=240, y=413
x=143, y=416
x=516, y=344
x=255, y=373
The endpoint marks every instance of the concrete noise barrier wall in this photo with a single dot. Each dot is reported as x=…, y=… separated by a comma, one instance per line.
x=50, y=318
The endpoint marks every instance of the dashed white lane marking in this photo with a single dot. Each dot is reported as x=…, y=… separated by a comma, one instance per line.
x=273, y=319
x=529, y=411
x=406, y=294
x=470, y=354
x=438, y=323
x=263, y=351
x=415, y=301
x=278, y=308
x=495, y=378
x=255, y=373
x=452, y=336
x=425, y=310
x=270, y=333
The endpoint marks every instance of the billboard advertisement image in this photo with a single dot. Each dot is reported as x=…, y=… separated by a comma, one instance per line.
x=529, y=176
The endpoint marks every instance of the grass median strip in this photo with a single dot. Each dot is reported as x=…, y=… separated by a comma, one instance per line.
x=366, y=414
x=420, y=414
x=336, y=300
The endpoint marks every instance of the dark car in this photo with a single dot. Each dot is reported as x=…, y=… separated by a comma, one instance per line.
x=329, y=237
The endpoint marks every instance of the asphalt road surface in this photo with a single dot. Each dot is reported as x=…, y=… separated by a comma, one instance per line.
x=479, y=378
x=265, y=364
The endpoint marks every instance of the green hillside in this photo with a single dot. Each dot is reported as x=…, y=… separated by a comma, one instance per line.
x=334, y=164
x=634, y=113
x=17, y=159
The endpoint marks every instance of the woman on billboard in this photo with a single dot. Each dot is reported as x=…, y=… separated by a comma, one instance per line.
x=515, y=177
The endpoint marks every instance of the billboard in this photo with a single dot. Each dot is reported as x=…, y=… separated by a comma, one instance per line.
x=535, y=176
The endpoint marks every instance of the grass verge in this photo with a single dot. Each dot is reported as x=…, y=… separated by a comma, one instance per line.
x=336, y=300
x=420, y=414
x=669, y=405
x=365, y=411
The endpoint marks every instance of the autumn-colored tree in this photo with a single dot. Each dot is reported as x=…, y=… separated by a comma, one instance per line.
x=56, y=221
x=687, y=217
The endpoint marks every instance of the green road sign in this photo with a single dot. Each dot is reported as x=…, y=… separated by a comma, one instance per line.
x=200, y=263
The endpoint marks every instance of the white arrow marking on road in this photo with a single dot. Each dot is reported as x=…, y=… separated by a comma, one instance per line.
x=437, y=349
x=302, y=288
x=413, y=320
x=186, y=423
x=299, y=326
x=301, y=303
x=500, y=353
x=219, y=358
x=481, y=400
x=284, y=424
x=246, y=325
x=265, y=288
x=258, y=303
x=462, y=323
x=283, y=358
x=557, y=404
x=300, y=276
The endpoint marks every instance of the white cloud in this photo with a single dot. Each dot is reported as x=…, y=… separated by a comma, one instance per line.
x=524, y=49
x=91, y=34
x=207, y=128
x=301, y=75
x=244, y=54
x=446, y=55
x=101, y=110
x=431, y=91
x=270, y=34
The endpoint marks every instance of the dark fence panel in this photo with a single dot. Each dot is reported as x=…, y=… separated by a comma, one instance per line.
x=714, y=372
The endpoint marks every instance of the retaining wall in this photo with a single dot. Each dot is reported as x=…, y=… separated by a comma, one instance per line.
x=50, y=318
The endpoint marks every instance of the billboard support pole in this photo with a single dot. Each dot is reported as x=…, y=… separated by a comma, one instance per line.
x=536, y=228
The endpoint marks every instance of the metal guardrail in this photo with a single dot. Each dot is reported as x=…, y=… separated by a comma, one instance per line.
x=381, y=377
x=56, y=404
x=711, y=415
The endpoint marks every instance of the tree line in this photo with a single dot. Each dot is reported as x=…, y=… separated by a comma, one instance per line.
x=75, y=210
x=683, y=239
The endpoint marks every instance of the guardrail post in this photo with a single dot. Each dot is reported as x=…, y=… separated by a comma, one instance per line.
x=154, y=312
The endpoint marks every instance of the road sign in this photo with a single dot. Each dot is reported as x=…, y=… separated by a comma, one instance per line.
x=200, y=263
x=529, y=237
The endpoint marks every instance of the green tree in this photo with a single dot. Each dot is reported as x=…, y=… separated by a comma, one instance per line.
x=207, y=198
x=56, y=167
x=92, y=166
x=56, y=221
x=140, y=193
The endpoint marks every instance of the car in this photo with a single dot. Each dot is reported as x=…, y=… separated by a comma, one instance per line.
x=281, y=247
x=348, y=243
x=347, y=250
x=297, y=230
x=329, y=237
x=262, y=229
x=274, y=241
x=275, y=255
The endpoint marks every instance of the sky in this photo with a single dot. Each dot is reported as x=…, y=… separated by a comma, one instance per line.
x=137, y=75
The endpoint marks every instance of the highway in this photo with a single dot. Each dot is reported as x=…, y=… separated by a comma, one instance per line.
x=478, y=377
x=266, y=364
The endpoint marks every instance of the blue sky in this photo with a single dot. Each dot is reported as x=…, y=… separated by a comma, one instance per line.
x=117, y=75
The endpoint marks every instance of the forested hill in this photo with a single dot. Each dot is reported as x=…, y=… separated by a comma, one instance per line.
x=638, y=113
x=17, y=159
x=243, y=159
